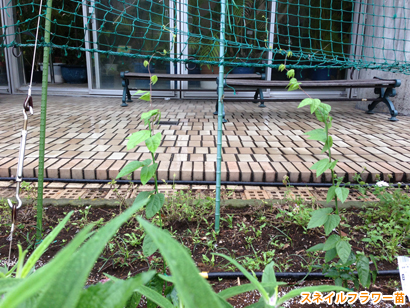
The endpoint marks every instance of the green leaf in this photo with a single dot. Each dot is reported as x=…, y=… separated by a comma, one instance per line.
x=281, y=67
x=148, y=246
x=319, y=217
x=112, y=294
x=333, y=164
x=305, y=102
x=155, y=203
x=332, y=222
x=342, y=193
x=148, y=172
x=331, y=193
x=331, y=242
x=39, y=281
x=297, y=292
x=320, y=166
x=318, y=134
x=38, y=252
x=322, y=112
x=374, y=262
x=328, y=144
x=146, y=97
x=154, y=79
x=192, y=289
x=147, y=115
x=251, y=278
x=71, y=280
x=154, y=297
x=153, y=142
x=132, y=166
x=363, y=270
x=146, y=63
x=142, y=196
x=269, y=273
x=314, y=105
x=330, y=255
x=290, y=73
x=136, y=138
x=343, y=250
x=317, y=247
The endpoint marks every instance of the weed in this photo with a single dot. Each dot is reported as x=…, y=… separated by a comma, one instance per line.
x=228, y=220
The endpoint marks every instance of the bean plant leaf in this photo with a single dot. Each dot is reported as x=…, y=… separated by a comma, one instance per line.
x=318, y=134
x=193, y=290
x=153, y=142
x=331, y=242
x=290, y=73
x=148, y=172
x=306, y=102
x=320, y=166
x=154, y=79
x=328, y=144
x=333, y=164
x=314, y=105
x=146, y=63
x=330, y=255
x=148, y=246
x=317, y=247
x=331, y=193
x=281, y=67
x=343, y=250
x=136, y=138
x=319, y=217
x=146, y=96
x=332, y=222
x=322, y=112
x=363, y=270
x=154, y=204
x=132, y=166
x=148, y=115
x=342, y=193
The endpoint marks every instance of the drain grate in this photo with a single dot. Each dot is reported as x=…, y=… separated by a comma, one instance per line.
x=168, y=123
x=95, y=194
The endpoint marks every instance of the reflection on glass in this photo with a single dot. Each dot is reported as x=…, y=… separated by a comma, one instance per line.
x=131, y=27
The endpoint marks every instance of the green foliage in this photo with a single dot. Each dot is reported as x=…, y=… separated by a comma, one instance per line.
x=334, y=246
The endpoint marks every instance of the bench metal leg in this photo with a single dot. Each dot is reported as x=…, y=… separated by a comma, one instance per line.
x=125, y=93
x=384, y=95
x=262, y=104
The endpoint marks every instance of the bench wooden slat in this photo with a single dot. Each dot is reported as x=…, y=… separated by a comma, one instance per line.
x=186, y=77
x=364, y=83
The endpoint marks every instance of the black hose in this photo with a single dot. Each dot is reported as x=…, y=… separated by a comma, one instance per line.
x=285, y=275
x=183, y=182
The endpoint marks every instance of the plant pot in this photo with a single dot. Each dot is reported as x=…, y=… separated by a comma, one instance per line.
x=74, y=73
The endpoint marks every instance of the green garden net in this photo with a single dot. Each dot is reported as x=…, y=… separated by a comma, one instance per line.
x=363, y=34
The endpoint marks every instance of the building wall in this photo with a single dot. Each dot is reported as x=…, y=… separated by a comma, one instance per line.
x=385, y=39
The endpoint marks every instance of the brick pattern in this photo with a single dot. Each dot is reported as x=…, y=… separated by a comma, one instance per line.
x=86, y=139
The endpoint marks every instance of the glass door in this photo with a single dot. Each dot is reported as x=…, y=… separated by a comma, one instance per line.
x=120, y=28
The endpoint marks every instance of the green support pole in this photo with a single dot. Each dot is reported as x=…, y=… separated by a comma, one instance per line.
x=44, y=87
x=220, y=117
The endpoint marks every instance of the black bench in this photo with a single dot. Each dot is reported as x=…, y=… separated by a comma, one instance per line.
x=126, y=76
x=385, y=88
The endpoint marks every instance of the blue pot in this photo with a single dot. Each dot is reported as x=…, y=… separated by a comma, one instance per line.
x=243, y=70
x=323, y=73
x=74, y=73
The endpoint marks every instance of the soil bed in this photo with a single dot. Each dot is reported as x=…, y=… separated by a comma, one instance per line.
x=252, y=235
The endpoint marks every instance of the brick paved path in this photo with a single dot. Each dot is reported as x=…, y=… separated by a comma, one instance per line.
x=86, y=140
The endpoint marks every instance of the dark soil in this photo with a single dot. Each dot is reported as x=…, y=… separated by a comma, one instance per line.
x=240, y=240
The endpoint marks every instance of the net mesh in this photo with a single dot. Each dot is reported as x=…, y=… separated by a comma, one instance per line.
x=369, y=34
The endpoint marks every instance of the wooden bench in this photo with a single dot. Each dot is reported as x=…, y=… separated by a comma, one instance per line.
x=127, y=76
x=385, y=88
